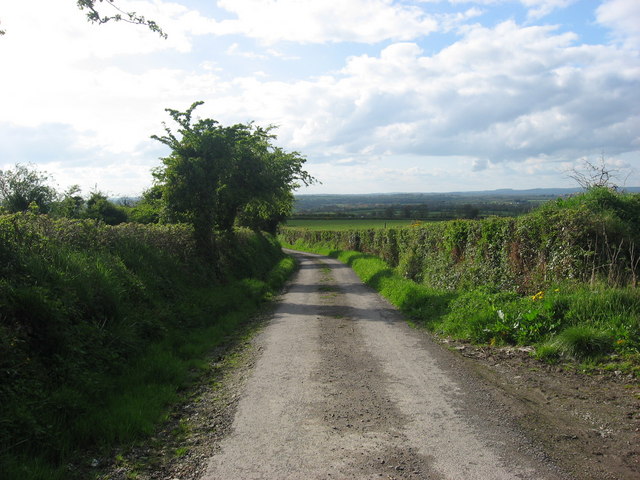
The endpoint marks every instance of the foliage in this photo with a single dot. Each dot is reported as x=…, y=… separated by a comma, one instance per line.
x=25, y=186
x=100, y=208
x=71, y=205
x=590, y=237
x=100, y=326
x=149, y=209
x=265, y=214
x=214, y=173
x=94, y=16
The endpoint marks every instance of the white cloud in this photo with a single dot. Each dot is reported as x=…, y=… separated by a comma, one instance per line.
x=502, y=94
x=542, y=8
x=450, y=21
x=235, y=50
x=479, y=164
x=623, y=17
x=312, y=21
x=484, y=107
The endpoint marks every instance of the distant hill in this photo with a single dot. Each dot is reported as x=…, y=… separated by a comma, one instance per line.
x=536, y=191
x=502, y=202
x=502, y=191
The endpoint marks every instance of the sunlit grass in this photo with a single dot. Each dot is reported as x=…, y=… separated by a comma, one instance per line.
x=577, y=343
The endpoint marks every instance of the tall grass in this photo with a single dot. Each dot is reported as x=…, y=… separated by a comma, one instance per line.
x=101, y=327
x=578, y=343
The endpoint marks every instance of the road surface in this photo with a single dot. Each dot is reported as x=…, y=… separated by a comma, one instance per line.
x=344, y=388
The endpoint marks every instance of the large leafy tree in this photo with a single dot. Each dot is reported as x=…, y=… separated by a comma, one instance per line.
x=267, y=213
x=273, y=202
x=214, y=173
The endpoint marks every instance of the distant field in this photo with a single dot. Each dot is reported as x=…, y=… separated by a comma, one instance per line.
x=347, y=224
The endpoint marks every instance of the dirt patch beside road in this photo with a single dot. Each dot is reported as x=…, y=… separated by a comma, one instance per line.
x=589, y=422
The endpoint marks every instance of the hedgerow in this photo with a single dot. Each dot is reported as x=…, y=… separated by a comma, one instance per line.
x=589, y=238
x=96, y=320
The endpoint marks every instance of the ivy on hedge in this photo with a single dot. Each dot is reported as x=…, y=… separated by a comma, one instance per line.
x=589, y=238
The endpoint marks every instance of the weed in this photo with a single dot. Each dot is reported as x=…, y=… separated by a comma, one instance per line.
x=578, y=343
x=328, y=288
x=181, y=452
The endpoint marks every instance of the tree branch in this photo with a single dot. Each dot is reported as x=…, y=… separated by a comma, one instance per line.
x=130, y=17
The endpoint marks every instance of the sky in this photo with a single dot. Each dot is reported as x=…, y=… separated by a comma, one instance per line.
x=378, y=95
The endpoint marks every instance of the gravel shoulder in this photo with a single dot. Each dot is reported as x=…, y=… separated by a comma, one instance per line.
x=337, y=385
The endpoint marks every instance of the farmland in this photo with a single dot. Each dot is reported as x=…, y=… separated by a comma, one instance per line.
x=422, y=206
x=347, y=223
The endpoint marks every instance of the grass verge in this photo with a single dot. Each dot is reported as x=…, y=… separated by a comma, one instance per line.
x=570, y=323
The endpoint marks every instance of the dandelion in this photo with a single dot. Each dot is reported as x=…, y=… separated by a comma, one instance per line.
x=538, y=296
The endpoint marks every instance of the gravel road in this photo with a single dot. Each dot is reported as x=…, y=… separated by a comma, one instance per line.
x=344, y=388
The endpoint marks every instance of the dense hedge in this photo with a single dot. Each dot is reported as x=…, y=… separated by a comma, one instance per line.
x=81, y=301
x=588, y=238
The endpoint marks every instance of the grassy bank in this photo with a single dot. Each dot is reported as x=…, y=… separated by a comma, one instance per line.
x=101, y=327
x=562, y=278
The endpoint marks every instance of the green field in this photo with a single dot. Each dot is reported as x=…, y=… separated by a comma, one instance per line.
x=347, y=224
